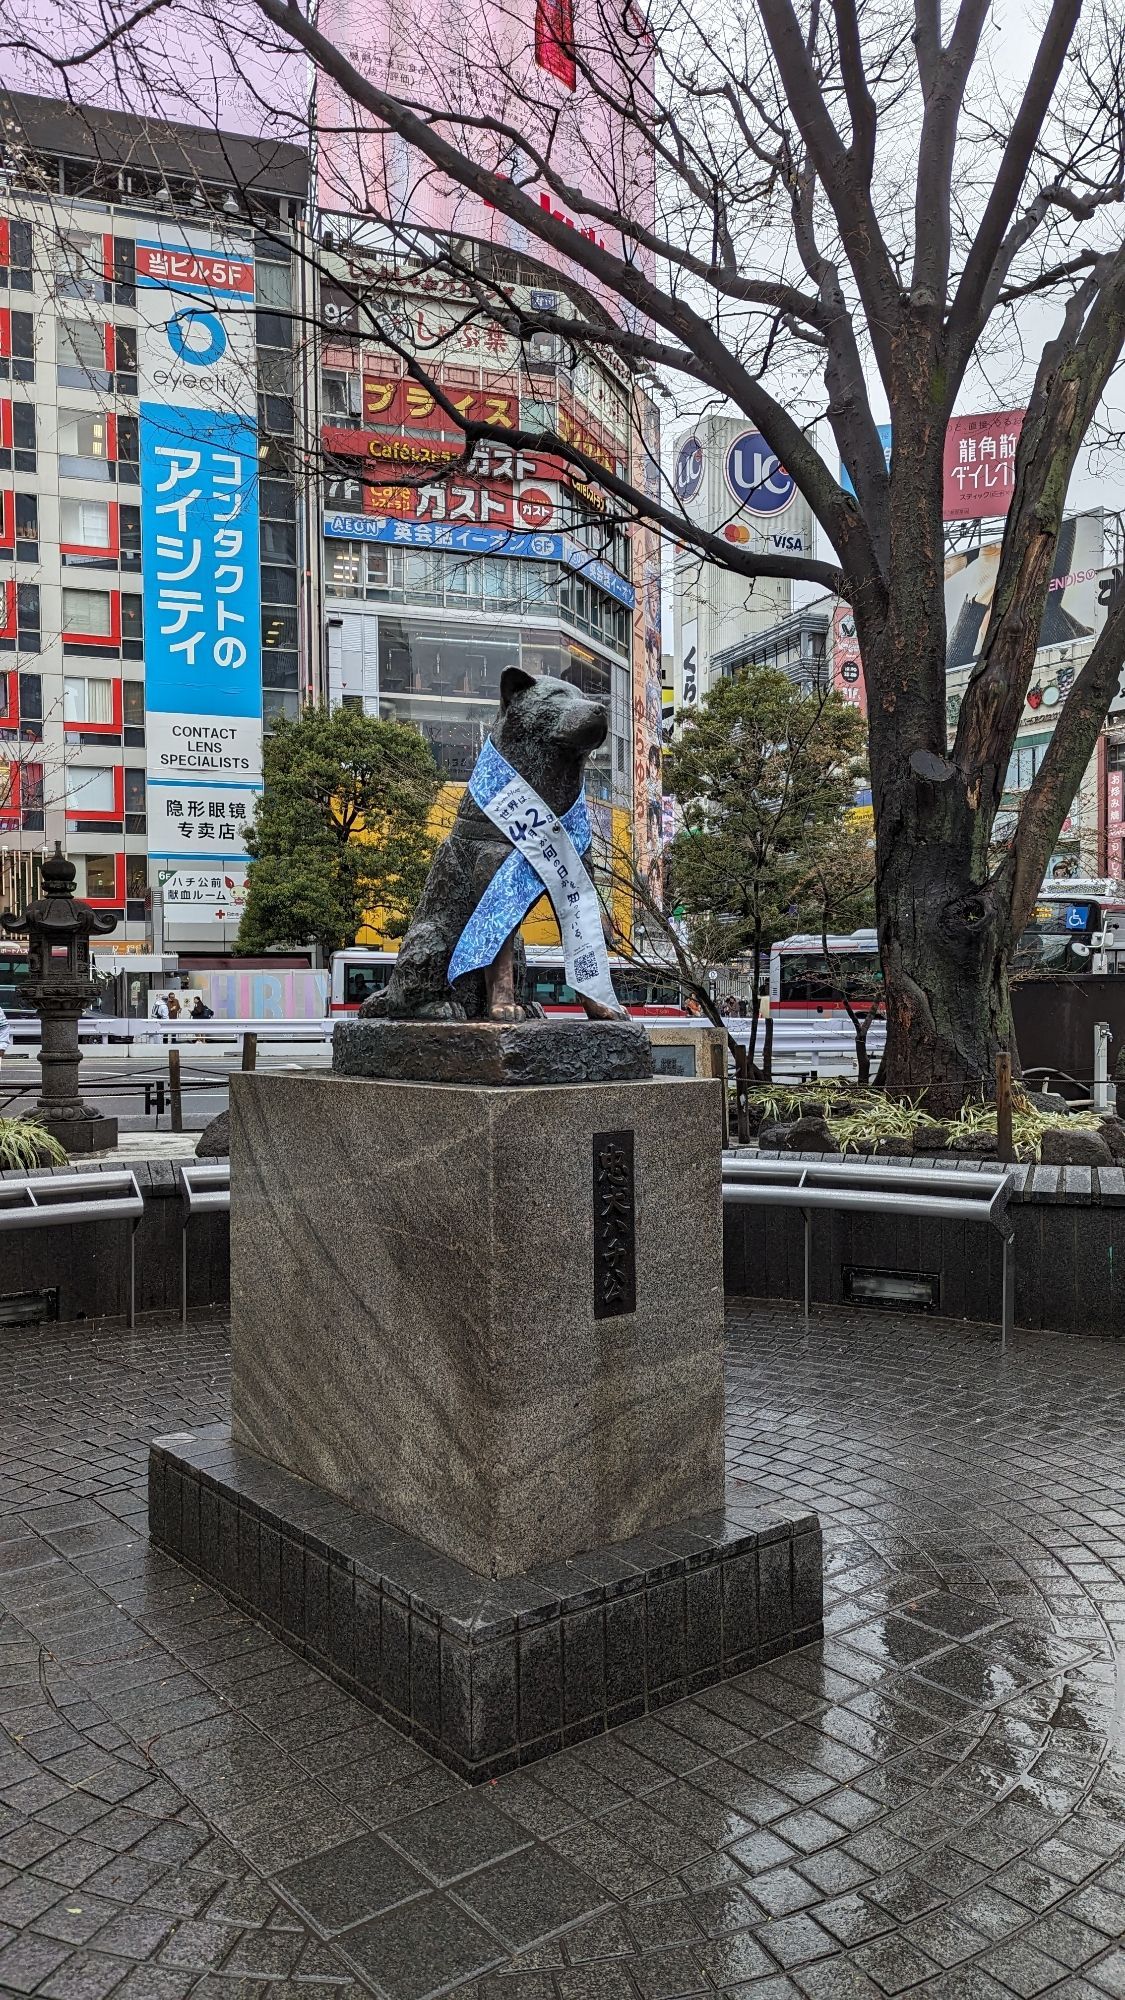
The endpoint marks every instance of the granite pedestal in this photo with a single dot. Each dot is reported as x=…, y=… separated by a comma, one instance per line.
x=489, y=1317
x=489, y=1673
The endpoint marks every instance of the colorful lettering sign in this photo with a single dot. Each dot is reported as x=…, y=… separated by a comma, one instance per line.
x=199, y=533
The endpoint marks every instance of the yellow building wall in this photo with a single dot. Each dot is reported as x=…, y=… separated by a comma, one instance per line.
x=539, y=927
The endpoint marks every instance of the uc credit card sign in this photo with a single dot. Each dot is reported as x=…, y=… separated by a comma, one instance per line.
x=199, y=532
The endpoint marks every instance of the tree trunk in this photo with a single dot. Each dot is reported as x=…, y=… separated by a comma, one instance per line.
x=944, y=914
x=944, y=944
x=741, y=1056
x=862, y=1059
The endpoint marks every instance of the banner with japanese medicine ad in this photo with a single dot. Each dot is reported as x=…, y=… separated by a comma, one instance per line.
x=199, y=532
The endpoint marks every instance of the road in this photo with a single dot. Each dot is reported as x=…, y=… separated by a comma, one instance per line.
x=114, y=1079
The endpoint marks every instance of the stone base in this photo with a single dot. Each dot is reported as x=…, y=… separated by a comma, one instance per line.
x=493, y=1317
x=494, y=1052
x=488, y=1674
x=90, y=1134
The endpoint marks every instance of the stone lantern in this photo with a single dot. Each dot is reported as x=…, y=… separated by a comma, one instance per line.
x=58, y=928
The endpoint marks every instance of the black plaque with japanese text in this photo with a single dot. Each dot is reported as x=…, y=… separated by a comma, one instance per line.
x=615, y=1226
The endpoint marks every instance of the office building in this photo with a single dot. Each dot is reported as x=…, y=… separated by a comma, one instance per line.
x=152, y=617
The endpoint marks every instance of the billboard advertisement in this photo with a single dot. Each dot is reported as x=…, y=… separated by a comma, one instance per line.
x=978, y=467
x=199, y=538
x=540, y=71
x=1074, y=611
x=847, y=667
x=729, y=481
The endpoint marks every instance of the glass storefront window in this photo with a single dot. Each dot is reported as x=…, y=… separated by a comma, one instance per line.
x=445, y=660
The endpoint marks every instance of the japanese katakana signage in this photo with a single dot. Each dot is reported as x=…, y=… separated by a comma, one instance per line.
x=199, y=525
x=979, y=467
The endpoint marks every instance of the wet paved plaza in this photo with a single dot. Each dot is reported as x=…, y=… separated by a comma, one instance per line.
x=931, y=1801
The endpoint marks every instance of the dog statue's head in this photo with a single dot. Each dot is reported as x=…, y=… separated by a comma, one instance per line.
x=546, y=729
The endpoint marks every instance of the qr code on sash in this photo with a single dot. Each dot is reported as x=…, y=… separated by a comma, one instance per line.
x=587, y=966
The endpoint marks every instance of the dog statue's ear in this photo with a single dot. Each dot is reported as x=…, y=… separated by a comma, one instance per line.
x=514, y=681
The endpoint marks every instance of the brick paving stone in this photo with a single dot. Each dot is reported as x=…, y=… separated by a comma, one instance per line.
x=931, y=1801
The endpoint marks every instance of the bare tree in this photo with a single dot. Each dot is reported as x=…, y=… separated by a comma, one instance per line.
x=846, y=205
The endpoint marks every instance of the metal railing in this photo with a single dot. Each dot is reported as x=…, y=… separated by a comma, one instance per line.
x=42, y=1201
x=204, y=1190
x=937, y=1193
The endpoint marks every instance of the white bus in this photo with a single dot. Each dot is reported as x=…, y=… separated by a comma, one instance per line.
x=357, y=973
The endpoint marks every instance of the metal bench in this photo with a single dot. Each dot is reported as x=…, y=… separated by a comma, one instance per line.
x=940, y=1194
x=39, y=1201
x=204, y=1190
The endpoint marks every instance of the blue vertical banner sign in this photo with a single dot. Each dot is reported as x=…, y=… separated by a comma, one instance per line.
x=199, y=533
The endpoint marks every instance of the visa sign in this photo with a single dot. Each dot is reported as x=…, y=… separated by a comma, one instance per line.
x=756, y=476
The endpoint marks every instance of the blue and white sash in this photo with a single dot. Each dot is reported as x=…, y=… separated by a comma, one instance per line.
x=547, y=854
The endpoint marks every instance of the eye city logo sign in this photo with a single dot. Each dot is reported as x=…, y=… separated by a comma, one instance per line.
x=196, y=337
x=756, y=477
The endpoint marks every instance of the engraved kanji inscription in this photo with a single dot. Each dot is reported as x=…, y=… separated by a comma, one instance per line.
x=615, y=1232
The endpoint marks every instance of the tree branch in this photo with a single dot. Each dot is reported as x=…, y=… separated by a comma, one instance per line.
x=842, y=522
x=1069, y=751
x=840, y=176
x=965, y=317
x=1072, y=376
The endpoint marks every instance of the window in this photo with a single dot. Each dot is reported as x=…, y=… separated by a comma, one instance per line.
x=125, y=359
x=1025, y=762
x=133, y=703
x=275, y=703
x=86, y=700
x=89, y=612
x=341, y=395
x=124, y=273
x=273, y=286
x=84, y=523
x=134, y=790
x=129, y=531
x=19, y=354
x=80, y=354
x=279, y=541
x=84, y=445
x=23, y=436
x=27, y=616
x=31, y=698
x=27, y=527
x=101, y=876
x=279, y=586
x=132, y=625
x=90, y=789
x=79, y=265
x=136, y=876
x=128, y=448
x=19, y=256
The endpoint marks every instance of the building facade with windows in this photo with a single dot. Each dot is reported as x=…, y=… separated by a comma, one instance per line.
x=493, y=559
x=152, y=617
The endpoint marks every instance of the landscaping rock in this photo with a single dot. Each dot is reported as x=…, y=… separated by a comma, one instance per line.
x=1049, y=1101
x=974, y=1146
x=1113, y=1132
x=771, y=1132
x=810, y=1135
x=895, y=1146
x=1076, y=1148
x=214, y=1140
x=931, y=1138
